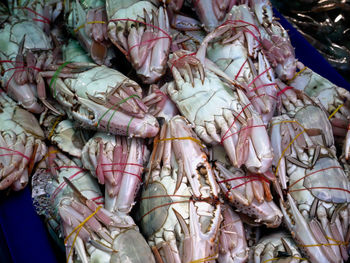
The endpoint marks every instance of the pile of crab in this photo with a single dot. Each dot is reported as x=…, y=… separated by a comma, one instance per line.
x=172, y=131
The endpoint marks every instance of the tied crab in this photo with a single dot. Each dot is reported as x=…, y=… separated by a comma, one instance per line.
x=334, y=99
x=232, y=241
x=42, y=13
x=25, y=48
x=140, y=30
x=250, y=194
x=317, y=206
x=68, y=194
x=21, y=144
x=219, y=113
x=179, y=208
x=238, y=53
x=118, y=163
x=88, y=22
x=102, y=99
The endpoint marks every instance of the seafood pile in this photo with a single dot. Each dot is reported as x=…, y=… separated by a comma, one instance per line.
x=172, y=131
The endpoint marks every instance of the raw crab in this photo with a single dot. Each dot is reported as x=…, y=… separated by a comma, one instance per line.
x=19, y=68
x=118, y=163
x=250, y=194
x=101, y=98
x=88, y=21
x=334, y=99
x=21, y=144
x=220, y=114
x=42, y=13
x=70, y=195
x=179, y=208
x=236, y=52
x=317, y=206
x=141, y=31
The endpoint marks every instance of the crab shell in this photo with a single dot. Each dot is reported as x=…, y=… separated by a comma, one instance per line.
x=316, y=211
x=220, y=114
x=117, y=162
x=104, y=99
x=16, y=82
x=21, y=144
x=88, y=22
x=178, y=200
x=141, y=31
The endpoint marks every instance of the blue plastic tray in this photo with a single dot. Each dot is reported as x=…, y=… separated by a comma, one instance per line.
x=24, y=231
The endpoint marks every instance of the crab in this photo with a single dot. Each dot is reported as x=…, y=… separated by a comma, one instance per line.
x=317, y=205
x=63, y=190
x=179, y=210
x=21, y=144
x=100, y=98
x=141, y=31
x=220, y=115
x=118, y=163
x=88, y=22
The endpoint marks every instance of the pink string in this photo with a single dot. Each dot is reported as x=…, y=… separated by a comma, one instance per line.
x=45, y=19
x=241, y=69
x=284, y=90
x=262, y=73
x=14, y=153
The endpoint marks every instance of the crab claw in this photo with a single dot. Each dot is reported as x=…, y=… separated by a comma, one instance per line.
x=196, y=165
x=115, y=122
x=199, y=246
x=212, y=12
x=240, y=191
x=303, y=234
x=233, y=243
x=263, y=11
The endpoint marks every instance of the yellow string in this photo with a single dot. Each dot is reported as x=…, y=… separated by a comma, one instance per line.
x=334, y=112
x=297, y=74
x=337, y=243
x=213, y=257
x=54, y=127
x=284, y=151
x=182, y=138
x=271, y=259
x=90, y=22
x=340, y=242
x=77, y=229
